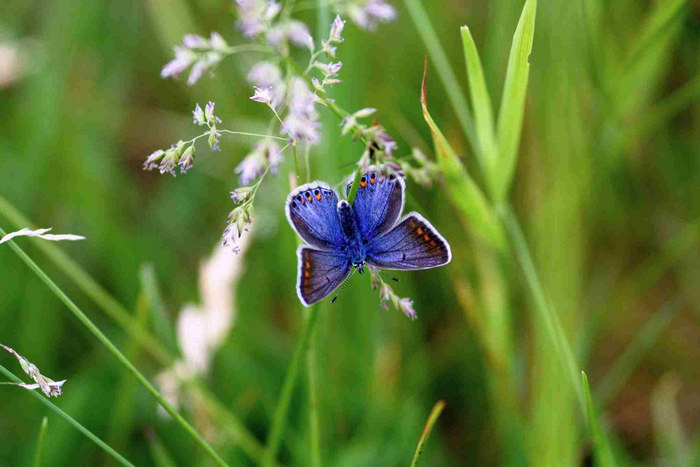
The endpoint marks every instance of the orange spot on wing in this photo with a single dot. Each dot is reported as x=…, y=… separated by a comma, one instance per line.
x=302, y=201
x=372, y=180
x=426, y=237
x=420, y=231
x=308, y=265
x=310, y=198
x=307, y=274
x=318, y=196
x=432, y=242
x=363, y=184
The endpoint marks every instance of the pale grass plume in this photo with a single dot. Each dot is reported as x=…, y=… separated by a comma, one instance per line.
x=41, y=233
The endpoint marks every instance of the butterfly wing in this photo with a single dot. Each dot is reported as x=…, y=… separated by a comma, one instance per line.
x=312, y=212
x=412, y=244
x=379, y=202
x=320, y=273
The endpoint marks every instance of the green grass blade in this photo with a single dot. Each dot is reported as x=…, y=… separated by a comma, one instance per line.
x=656, y=23
x=279, y=419
x=560, y=344
x=88, y=434
x=602, y=451
x=162, y=324
x=447, y=75
x=481, y=104
x=78, y=313
x=160, y=455
x=40, y=441
x=432, y=418
x=633, y=354
x=114, y=310
x=465, y=193
x=510, y=115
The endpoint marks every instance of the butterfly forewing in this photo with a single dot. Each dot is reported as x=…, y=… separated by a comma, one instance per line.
x=320, y=273
x=379, y=202
x=412, y=244
x=311, y=211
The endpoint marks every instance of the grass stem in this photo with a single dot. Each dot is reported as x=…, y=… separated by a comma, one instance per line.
x=280, y=416
x=88, y=434
x=77, y=312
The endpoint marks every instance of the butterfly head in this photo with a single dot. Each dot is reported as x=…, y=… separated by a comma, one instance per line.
x=359, y=266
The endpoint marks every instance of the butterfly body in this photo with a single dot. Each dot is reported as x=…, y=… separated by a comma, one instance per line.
x=341, y=236
x=354, y=245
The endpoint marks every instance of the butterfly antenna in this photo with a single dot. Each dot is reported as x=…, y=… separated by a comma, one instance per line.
x=343, y=286
x=387, y=275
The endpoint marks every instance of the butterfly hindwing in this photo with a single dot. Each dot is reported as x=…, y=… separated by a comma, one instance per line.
x=320, y=273
x=412, y=244
x=379, y=201
x=312, y=212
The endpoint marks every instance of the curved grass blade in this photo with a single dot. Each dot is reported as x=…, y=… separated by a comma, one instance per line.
x=510, y=115
x=465, y=193
x=432, y=418
x=88, y=434
x=603, y=455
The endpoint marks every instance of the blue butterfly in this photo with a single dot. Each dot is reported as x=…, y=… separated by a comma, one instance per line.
x=341, y=237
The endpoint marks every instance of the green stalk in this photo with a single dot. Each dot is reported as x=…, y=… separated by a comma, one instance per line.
x=111, y=347
x=40, y=441
x=312, y=382
x=323, y=21
x=432, y=418
x=280, y=416
x=90, y=287
x=219, y=412
x=297, y=167
x=548, y=317
x=88, y=434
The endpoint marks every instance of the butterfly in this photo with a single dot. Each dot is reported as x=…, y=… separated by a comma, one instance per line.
x=341, y=236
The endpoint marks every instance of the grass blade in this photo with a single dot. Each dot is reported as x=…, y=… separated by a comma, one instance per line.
x=510, y=115
x=633, y=354
x=447, y=75
x=160, y=455
x=280, y=417
x=162, y=325
x=78, y=313
x=88, y=434
x=432, y=418
x=119, y=314
x=553, y=327
x=657, y=22
x=40, y=441
x=465, y=193
x=602, y=451
x=481, y=102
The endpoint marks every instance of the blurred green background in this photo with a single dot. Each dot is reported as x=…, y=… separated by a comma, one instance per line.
x=607, y=187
